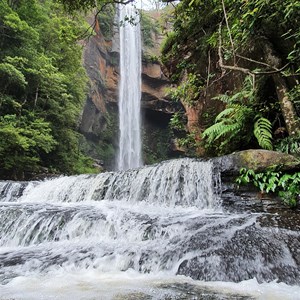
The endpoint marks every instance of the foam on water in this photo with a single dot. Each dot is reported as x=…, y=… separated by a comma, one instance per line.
x=185, y=182
x=139, y=234
x=63, y=284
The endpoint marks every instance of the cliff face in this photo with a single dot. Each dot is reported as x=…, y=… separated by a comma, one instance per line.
x=99, y=123
x=99, y=59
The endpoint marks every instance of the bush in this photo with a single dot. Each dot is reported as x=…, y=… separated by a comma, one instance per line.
x=285, y=185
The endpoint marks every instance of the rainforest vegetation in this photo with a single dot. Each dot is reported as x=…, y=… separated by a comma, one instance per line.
x=236, y=64
x=249, y=52
x=240, y=75
x=43, y=86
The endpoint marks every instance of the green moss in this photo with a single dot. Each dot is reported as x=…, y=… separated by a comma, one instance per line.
x=103, y=147
x=148, y=58
x=106, y=21
x=170, y=42
x=149, y=27
x=156, y=145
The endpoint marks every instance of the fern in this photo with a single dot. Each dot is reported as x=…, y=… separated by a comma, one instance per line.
x=263, y=132
x=217, y=131
x=247, y=93
x=229, y=124
x=224, y=114
x=234, y=126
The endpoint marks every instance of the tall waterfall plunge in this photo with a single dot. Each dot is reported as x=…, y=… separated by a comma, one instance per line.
x=129, y=155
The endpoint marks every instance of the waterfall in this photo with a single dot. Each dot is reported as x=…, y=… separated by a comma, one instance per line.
x=162, y=226
x=129, y=155
x=181, y=182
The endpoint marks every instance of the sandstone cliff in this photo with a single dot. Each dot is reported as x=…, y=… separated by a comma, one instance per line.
x=99, y=122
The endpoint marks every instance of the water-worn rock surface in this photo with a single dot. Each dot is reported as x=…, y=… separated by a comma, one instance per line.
x=169, y=219
x=257, y=160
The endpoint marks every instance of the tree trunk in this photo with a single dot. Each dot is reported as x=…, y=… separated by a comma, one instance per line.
x=287, y=107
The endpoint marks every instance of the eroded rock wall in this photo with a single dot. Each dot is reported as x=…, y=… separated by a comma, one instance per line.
x=99, y=123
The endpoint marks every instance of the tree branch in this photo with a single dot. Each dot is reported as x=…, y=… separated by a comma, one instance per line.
x=208, y=71
x=245, y=70
x=272, y=72
x=93, y=26
x=255, y=61
x=221, y=62
x=229, y=32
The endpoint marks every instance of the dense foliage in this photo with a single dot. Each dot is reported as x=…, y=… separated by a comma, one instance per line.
x=42, y=88
x=224, y=43
x=247, y=51
x=283, y=184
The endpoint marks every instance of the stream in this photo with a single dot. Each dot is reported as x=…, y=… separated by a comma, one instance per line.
x=165, y=231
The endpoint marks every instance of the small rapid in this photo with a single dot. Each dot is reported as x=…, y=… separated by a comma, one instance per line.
x=184, y=182
x=163, y=226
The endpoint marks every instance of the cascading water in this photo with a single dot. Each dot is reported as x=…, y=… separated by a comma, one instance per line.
x=158, y=232
x=129, y=155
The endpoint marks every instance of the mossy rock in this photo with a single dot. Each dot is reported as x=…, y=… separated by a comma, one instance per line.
x=257, y=160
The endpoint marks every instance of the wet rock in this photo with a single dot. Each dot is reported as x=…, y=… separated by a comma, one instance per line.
x=257, y=160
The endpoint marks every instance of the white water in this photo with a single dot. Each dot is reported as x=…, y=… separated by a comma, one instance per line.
x=91, y=284
x=126, y=235
x=129, y=90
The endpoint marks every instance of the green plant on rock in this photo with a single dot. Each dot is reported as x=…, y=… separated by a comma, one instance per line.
x=149, y=27
x=188, y=91
x=185, y=65
x=169, y=42
x=190, y=143
x=106, y=20
x=148, y=58
x=156, y=145
x=177, y=122
x=285, y=185
x=103, y=146
x=290, y=145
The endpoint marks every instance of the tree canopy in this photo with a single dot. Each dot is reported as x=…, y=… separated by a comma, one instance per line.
x=255, y=40
x=43, y=86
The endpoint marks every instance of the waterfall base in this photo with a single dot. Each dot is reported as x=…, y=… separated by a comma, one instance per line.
x=158, y=232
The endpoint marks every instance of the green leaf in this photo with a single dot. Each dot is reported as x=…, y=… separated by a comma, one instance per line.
x=263, y=133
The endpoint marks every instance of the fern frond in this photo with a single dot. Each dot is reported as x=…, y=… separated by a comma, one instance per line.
x=225, y=113
x=221, y=130
x=263, y=133
x=242, y=113
x=229, y=130
x=229, y=123
x=213, y=131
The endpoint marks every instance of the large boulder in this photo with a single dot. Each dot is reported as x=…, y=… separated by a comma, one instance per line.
x=257, y=160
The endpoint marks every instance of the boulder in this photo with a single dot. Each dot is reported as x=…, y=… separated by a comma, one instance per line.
x=257, y=160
